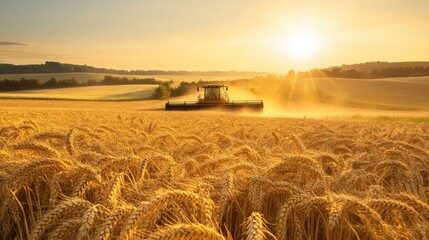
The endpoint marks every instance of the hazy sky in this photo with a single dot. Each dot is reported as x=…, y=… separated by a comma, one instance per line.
x=258, y=35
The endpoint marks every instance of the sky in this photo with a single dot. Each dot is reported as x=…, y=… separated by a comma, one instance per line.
x=243, y=35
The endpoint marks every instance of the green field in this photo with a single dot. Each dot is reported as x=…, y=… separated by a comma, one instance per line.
x=97, y=93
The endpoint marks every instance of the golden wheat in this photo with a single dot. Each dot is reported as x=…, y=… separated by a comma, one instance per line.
x=162, y=175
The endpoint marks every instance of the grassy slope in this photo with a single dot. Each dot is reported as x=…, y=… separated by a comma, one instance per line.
x=101, y=93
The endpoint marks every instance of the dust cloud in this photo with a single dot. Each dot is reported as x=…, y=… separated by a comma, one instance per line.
x=329, y=97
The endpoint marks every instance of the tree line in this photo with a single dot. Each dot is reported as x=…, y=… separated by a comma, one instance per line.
x=390, y=72
x=29, y=84
x=56, y=67
x=165, y=90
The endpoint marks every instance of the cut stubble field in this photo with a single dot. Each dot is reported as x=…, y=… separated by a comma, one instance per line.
x=117, y=174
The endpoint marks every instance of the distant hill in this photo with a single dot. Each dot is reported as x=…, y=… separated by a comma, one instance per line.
x=366, y=70
x=371, y=70
x=369, y=66
x=56, y=67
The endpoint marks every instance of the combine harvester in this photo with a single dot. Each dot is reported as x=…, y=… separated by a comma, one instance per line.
x=215, y=97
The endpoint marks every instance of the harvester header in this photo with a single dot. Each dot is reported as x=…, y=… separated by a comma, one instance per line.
x=215, y=97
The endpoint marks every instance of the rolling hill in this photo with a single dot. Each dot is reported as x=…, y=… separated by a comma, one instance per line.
x=369, y=66
x=93, y=93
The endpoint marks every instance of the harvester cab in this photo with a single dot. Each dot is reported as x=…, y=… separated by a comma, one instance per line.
x=215, y=97
x=214, y=94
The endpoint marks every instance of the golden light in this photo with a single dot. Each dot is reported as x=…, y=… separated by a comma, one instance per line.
x=300, y=45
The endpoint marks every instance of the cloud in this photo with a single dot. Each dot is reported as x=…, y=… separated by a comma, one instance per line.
x=12, y=44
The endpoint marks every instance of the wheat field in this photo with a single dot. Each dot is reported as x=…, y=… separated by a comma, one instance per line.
x=106, y=174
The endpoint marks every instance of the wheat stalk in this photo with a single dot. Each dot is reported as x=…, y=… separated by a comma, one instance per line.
x=87, y=223
x=38, y=147
x=186, y=231
x=66, y=229
x=146, y=208
x=256, y=227
x=106, y=229
x=48, y=218
x=113, y=190
x=48, y=135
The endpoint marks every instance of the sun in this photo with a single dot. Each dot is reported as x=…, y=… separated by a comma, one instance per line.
x=301, y=45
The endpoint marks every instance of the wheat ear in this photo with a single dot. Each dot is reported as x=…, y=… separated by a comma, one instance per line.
x=172, y=196
x=48, y=219
x=186, y=231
